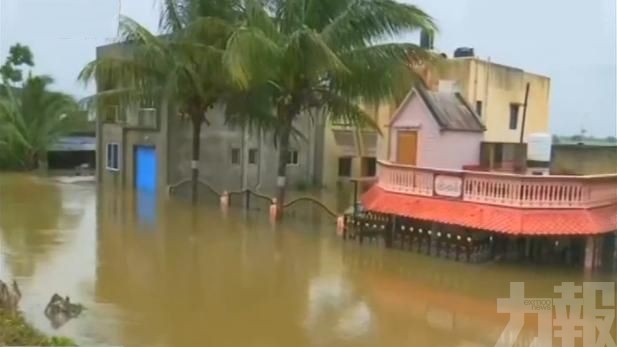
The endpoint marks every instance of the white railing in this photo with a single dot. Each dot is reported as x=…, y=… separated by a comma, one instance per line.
x=525, y=191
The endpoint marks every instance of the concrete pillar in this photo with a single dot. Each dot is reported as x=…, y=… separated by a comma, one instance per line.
x=592, y=256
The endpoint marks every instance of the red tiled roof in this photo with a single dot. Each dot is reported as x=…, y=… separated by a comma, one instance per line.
x=505, y=220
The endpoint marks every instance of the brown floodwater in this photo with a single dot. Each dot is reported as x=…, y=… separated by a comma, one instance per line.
x=157, y=272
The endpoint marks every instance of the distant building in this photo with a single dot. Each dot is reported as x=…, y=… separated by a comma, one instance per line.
x=495, y=92
x=73, y=152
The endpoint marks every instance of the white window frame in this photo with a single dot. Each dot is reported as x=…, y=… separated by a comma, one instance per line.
x=108, y=156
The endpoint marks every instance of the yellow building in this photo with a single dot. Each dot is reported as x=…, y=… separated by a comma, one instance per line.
x=497, y=92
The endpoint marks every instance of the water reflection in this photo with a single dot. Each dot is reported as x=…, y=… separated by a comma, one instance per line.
x=195, y=277
x=32, y=217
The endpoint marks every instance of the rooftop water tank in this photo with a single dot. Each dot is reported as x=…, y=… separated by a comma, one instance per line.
x=463, y=52
x=539, y=147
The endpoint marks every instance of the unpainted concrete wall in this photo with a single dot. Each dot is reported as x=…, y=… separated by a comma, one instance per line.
x=583, y=160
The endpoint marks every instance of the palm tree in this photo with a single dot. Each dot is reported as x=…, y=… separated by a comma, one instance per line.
x=31, y=119
x=324, y=54
x=182, y=66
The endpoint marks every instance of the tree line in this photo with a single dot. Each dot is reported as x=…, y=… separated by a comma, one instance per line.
x=31, y=116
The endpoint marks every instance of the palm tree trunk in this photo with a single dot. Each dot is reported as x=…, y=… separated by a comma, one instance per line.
x=197, y=122
x=281, y=180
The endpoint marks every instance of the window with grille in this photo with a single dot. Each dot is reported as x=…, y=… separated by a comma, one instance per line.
x=253, y=156
x=344, y=166
x=292, y=157
x=514, y=115
x=235, y=156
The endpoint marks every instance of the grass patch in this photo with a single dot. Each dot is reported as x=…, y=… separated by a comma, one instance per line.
x=15, y=331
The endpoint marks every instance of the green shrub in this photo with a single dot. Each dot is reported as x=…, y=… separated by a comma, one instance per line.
x=15, y=331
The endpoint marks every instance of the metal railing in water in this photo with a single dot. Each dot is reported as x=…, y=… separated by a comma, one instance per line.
x=249, y=193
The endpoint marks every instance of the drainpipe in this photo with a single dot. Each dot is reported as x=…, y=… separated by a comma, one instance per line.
x=486, y=88
x=524, y=113
x=259, y=159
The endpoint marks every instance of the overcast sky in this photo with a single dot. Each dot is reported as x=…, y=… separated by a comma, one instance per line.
x=572, y=41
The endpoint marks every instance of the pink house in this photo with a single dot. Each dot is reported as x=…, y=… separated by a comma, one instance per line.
x=427, y=202
x=435, y=130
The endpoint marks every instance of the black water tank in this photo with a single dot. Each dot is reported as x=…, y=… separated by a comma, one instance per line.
x=462, y=52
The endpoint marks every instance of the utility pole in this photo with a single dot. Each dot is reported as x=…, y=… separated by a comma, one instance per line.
x=524, y=113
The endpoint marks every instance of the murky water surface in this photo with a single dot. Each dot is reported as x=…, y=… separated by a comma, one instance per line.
x=155, y=272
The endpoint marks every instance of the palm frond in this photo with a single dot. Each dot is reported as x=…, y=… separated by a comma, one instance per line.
x=365, y=21
x=308, y=55
x=341, y=109
x=381, y=72
x=171, y=19
x=251, y=57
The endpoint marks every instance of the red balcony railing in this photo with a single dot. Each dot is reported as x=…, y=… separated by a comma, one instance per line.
x=524, y=191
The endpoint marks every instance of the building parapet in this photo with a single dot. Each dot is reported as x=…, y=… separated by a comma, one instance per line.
x=502, y=189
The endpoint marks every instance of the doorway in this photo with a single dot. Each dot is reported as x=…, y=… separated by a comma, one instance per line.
x=145, y=168
x=407, y=147
x=146, y=184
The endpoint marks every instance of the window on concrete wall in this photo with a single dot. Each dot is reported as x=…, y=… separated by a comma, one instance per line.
x=253, y=156
x=369, y=166
x=235, y=156
x=479, y=108
x=113, y=156
x=514, y=108
x=292, y=157
x=344, y=166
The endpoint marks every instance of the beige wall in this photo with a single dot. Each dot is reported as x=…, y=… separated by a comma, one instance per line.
x=497, y=86
x=332, y=152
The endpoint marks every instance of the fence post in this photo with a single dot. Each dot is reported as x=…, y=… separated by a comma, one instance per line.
x=273, y=210
x=340, y=226
x=224, y=200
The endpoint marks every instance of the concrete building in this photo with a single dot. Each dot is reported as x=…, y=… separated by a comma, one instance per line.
x=150, y=149
x=496, y=93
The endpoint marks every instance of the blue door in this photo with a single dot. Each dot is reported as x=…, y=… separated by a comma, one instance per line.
x=145, y=168
x=145, y=183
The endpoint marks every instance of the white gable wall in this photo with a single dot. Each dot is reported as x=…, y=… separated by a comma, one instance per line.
x=436, y=148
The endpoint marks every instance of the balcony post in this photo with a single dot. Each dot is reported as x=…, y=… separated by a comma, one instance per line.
x=592, y=258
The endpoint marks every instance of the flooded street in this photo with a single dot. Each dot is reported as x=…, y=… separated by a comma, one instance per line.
x=155, y=272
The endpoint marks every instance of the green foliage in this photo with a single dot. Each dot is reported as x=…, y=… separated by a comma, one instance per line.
x=18, y=55
x=280, y=59
x=15, y=331
x=183, y=66
x=326, y=55
x=31, y=119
